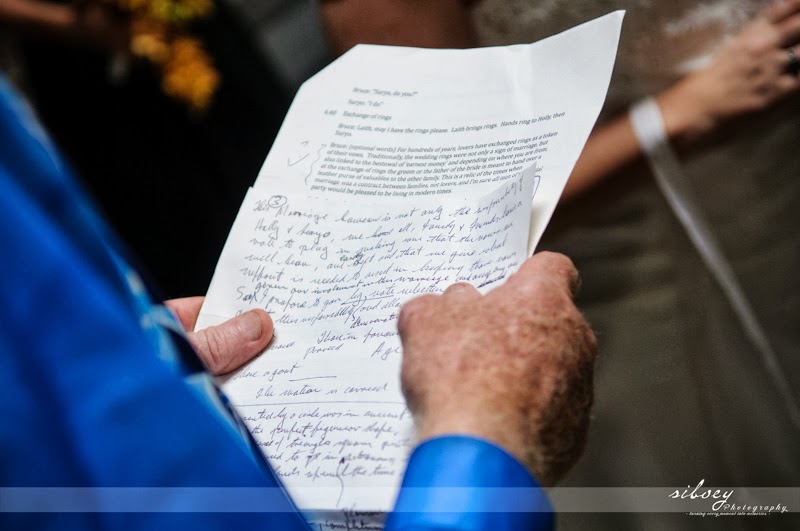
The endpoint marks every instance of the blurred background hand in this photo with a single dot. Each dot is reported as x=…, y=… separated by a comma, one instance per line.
x=94, y=24
x=748, y=74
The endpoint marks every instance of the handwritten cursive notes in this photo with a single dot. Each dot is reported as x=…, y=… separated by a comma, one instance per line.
x=324, y=401
x=312, y=261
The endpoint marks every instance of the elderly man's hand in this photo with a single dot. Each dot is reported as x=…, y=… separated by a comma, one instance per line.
x=228, y=346
x=513, y=367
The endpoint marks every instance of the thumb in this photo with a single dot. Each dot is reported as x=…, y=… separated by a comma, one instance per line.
x=228, y=346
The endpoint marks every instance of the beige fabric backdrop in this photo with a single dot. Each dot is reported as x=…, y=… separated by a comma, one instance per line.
x=681, y=393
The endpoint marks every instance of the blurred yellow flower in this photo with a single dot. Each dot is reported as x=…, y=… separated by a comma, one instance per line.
x=188, y=74
x=158, y=34
x=149, y=40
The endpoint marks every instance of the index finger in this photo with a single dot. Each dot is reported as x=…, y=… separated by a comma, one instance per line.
x=554, y=265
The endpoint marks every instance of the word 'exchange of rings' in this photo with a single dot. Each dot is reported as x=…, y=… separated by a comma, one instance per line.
x=320, y=402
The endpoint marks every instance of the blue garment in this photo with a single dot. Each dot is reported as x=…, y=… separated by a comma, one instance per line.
x=95, y=391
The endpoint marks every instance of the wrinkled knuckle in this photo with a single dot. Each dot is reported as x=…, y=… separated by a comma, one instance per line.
x=564, y=265
x=551, y=258
x=459, y=286
x=404, y=317
x=462, y=289
x=559, y=259
x=410, y=312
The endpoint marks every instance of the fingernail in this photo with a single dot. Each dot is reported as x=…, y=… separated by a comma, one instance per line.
x=250, y=325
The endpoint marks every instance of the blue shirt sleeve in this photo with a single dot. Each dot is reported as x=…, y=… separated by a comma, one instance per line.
x=467, y=484
x=87, y=402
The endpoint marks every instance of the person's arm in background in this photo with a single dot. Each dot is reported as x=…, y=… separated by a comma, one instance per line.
x=92, y=24
x=747, y=75
x=424, y=23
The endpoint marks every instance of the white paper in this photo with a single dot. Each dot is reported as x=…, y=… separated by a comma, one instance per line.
x=346, y=222
x=449, y=106
x=324, y=401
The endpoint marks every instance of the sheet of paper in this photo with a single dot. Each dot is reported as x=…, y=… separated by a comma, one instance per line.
x=397, y=172
x=407, y=122
x=324, y=401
